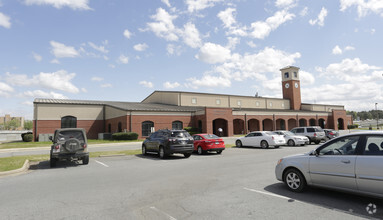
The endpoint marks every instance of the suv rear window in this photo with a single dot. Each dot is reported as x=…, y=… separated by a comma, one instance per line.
x=310, y=129
x=318, y=129
x=180, y=134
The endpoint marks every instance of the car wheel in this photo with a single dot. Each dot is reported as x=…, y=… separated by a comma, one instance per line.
x=187, y=155
x=238, y=143
x=219, y=151
x=144, y=150
x=199, y=150
x=162, y=153
x=264, y=144
x=317, y=142
x=294, y=180
x=276, y=146
x=85, y=160
x=291, y=143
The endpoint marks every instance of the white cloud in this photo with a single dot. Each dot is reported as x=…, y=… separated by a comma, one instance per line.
x=169, y=85
x=351, y=70
x=84, y=90
x=363, y=6
x=100, y=48
x=262, y=29
x=232, y=42
x=336, y=50
x=213, y=53
x=146, y=84
x=97, y=79
x=123, y=59
x=306, y=78
x=140, y=47
x=164, y=27
x=55, y=61
x=349, y=48
x=197, y=5
x=191, y=36
x=251, y=44
x=303, y=12
x=208, y=81
x=106, y=85
x=42, y=94
x=73, y=4
x=27, y=103
x=286, y=3
x=5, y=20
x=166, y=2
x=228, y=18
x=127, y=33
x=60, y=80
x=60, y=50
x=242, y=67
x=320, y=19
x=37, y=57
x=173, y=49
x=5, y=89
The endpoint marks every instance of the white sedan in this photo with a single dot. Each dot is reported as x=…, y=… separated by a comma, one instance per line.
x=293, y=139
x=262, y=139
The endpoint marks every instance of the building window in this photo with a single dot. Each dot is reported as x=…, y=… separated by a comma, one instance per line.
x=119, y=127
x=283, y=105
x=177, y=125
x=257, y=103
x=68, y=122
x=286, y=75
x=194, y=100
x=218, y=101
x=295, y=74
x=239, y=103
x=147, y=128
x=271, y=104
x=109, y=128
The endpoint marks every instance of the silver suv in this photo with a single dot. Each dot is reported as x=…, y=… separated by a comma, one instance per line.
x=314, y=133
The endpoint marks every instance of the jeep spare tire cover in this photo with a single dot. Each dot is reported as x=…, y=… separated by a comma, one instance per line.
x=72, y=145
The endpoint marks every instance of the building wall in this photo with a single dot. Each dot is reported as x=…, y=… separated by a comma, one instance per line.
x=170, y=98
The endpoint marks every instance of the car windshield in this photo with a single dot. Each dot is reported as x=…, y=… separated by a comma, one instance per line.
x=288, y=133
x=210, y=136
x=180, y=134
x=66, y=135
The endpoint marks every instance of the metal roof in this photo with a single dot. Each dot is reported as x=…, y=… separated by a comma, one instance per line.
x=128, y=106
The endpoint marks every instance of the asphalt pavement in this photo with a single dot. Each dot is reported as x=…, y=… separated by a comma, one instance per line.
x=238, y=184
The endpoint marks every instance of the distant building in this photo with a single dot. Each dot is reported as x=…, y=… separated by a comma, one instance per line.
x=7, y=118
x=205, y=111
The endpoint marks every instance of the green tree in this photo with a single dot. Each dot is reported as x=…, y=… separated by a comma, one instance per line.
x=28, y=125
x=12, y=124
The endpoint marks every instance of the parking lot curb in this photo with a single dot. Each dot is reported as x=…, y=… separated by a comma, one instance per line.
x=24, y=168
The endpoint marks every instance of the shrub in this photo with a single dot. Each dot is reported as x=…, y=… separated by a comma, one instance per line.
x=125, y=136
x=27, y=137
x=352, y=126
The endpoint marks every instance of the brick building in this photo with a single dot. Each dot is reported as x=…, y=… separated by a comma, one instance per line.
x=177, y=109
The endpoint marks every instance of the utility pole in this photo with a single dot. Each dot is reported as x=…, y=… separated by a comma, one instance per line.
x=377, y=116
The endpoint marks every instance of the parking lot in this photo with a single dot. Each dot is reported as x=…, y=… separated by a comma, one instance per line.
x=238, y=184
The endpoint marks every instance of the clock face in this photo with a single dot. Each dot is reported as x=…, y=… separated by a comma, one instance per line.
x=296, y=85
x=287, y=85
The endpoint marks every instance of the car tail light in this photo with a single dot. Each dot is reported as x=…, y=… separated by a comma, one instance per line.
x=172, y=139
x=57, y=147
x=84, y=146
x=272, y=137
x=315, y=134
x=331, y=133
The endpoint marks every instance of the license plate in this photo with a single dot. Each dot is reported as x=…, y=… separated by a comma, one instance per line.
x=56, y=150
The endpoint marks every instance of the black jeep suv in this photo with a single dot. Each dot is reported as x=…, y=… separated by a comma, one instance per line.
x=166, y=142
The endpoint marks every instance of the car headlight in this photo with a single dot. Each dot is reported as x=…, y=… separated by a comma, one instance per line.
x=279, y=161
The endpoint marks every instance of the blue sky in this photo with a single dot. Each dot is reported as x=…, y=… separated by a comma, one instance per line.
x=124, y=50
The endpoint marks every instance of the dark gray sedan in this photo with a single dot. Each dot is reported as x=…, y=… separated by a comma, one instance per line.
x=352, y=163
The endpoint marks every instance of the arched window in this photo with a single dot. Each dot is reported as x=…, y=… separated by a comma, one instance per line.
x=146, y=128
x=177, y=125
x=119, y=127
x=109, y=128
x=68, y=122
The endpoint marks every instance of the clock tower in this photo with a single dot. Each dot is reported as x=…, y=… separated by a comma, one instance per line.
x=291, y=87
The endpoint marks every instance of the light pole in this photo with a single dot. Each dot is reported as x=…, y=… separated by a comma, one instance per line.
x=377, y=116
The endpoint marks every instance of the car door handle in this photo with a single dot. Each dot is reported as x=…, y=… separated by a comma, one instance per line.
x=345, y=161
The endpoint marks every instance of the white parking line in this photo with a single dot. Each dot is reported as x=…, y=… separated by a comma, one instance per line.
x=164, y=213
x=101, y=163
x=269, y=194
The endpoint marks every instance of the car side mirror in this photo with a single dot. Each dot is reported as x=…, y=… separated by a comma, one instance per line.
x=50, y=138
x=316, y=153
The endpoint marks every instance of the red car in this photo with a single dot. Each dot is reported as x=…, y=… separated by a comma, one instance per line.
x=208, y=142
